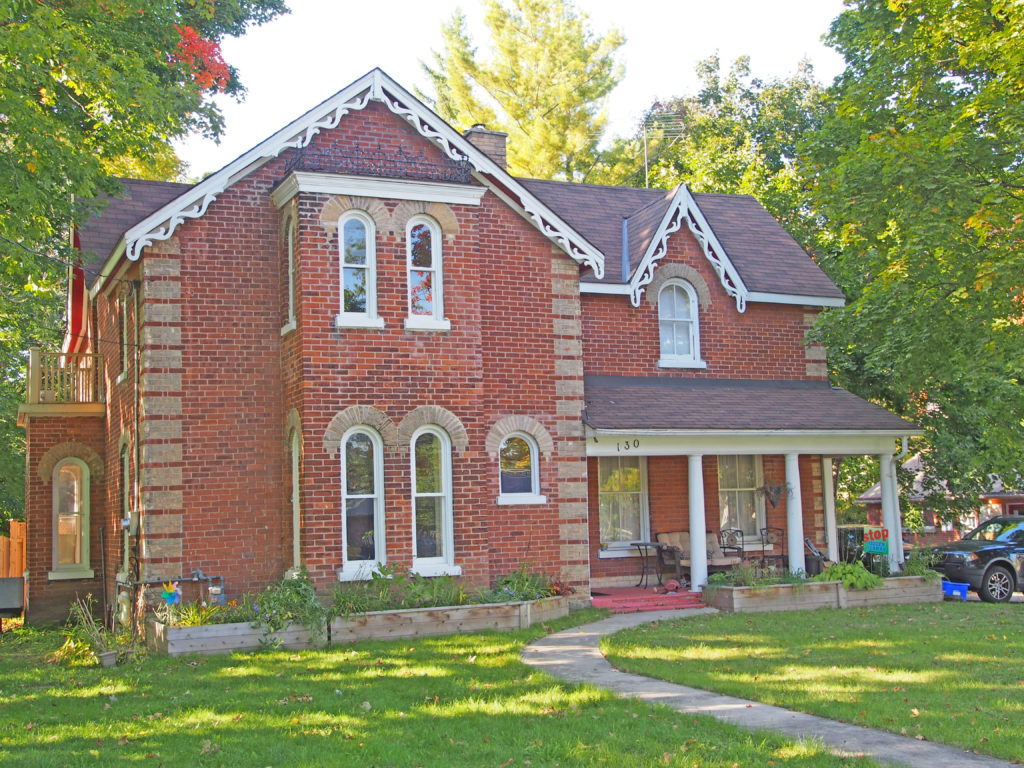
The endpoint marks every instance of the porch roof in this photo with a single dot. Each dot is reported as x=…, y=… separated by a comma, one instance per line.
x=677, y=405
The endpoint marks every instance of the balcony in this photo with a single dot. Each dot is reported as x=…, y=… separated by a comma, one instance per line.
x=63, y=385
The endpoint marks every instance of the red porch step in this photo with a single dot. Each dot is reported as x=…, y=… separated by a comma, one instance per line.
x=634, y=600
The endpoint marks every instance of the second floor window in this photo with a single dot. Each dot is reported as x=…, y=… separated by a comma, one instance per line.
x=426, y=288
x=358, y=257
x=678, y=328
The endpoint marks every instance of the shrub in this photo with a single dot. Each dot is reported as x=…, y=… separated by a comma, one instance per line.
x=853, y=575
x=292, y=600
x=520, y=584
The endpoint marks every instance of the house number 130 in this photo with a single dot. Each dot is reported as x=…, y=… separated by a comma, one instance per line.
x=627, y=445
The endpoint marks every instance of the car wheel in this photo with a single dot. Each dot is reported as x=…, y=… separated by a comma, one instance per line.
x=997, y=586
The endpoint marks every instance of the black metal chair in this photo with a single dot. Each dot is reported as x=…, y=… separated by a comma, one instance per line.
x=772, y=538
x=732, y=541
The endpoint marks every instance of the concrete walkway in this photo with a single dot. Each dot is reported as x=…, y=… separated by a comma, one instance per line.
x=574, y=655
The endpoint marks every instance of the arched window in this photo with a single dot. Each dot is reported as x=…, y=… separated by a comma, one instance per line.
x=71, y=520
x=362, y=516
x=678, y=326
x=519, y=470
x=289, y=234
x=126, y=507
x=426, y=284
x=432, y=502
x=358, y=259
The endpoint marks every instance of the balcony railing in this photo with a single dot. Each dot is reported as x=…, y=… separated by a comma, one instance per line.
x=56, y=378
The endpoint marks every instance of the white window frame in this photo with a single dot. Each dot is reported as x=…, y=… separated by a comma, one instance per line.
x=124, y=457
x=77, y=570
x=295, y=463
x=625, y=548
x=533, y=496
x=759, y=507
x=692, y=360
x=362, y=569
x=369, y=318
x=435, y=321
x=289, y=230
x=444, y=564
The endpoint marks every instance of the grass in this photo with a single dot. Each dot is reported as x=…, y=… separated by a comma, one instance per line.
x=451, y=701
x=948, y=672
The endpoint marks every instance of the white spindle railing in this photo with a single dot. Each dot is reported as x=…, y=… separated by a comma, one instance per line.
x=54, y=377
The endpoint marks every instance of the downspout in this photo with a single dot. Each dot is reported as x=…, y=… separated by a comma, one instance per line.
x=625, y=250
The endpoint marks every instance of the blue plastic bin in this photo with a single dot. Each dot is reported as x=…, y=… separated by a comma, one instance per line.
x=955, y=589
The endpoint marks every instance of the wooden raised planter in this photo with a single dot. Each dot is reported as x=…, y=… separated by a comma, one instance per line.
x=222, y=638
x=823, y=594
x=420, y=622
x=379, y=625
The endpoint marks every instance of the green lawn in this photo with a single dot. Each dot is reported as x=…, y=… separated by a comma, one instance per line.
x=456, y=701
x=948, y=672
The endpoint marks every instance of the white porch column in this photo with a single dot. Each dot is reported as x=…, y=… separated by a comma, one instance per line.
x=794, y=514
x=831, y=528
x=891, y=511
x=698, y=525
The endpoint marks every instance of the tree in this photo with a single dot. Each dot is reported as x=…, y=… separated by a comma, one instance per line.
x=738, y=134
x=918, y=179
x=544, y=85
x=89, y=88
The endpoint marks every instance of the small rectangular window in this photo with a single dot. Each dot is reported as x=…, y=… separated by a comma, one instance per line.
x=622, y=499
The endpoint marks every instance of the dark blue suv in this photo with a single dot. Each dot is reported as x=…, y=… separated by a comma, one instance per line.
x=990, y=558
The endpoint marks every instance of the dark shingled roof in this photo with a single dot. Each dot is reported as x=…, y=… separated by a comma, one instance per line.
x=766, y=257
x=100, y=234
x=634, y=402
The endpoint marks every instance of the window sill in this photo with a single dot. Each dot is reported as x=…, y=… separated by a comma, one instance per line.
x=509, y=499
x=681, y=362
x=121, y=378
x=68, y=575
x=435, y=568
x=358, y=321
x=362, y=571
x=288, y=327
x=416, y=323
x=614, y=553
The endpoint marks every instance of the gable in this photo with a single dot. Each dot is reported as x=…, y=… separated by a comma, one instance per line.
x=376, y=87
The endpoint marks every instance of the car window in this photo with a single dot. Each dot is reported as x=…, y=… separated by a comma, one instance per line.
x=998, y=530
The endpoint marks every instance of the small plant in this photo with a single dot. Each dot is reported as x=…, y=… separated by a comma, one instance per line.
x=520, y=584
x=292, y=600
x=83, y=636
x=919, y=563
x=853, y=575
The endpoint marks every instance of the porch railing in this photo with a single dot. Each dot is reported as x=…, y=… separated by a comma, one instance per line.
x=54, y=377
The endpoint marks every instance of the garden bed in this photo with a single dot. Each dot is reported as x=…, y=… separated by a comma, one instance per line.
x=824, y=594
x=376, y=625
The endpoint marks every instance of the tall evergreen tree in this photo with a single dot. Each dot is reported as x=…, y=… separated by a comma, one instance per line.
x=545, y=84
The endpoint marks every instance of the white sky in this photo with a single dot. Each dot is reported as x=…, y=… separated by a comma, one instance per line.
x=297, y=61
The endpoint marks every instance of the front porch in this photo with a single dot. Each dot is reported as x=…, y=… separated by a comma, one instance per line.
x=698, y=457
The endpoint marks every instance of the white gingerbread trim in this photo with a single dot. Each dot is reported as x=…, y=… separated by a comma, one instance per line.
x=684, y=209
x=373, y=86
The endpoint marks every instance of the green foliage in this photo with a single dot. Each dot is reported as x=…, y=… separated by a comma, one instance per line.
x=544, y=84
x=919, y=563
x=917, y=177
x=393, y=588
x=292, y=600
x=853, y=575
x=520, y=584
x=89, y=89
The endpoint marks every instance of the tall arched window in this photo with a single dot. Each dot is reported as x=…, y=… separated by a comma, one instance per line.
x=362, y=478
x=289, y=234
x=678, y=326
x=426, y=283
x=71, y=520
x=433, y=552
x=358, y=261
x=519, y=470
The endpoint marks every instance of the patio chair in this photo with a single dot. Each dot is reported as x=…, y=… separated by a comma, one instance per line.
x=674, y=554
x=773, y=538
x=732, y=542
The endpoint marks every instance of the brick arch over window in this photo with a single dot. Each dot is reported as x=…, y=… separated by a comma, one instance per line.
x=340, y=204
x=356, y=415
x=441, y=417
x=292, y=423
x=440, y=212
x=70, y=450
x=518, y=423
x=668, y=272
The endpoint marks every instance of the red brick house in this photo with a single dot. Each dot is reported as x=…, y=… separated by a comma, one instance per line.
x=363, y=341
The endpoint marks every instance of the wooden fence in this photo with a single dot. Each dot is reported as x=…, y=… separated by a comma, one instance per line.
x=12, y=551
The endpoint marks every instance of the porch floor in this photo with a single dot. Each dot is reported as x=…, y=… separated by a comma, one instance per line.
x=636, y=599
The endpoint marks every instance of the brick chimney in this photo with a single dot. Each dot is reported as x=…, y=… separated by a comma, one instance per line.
x=491, y=143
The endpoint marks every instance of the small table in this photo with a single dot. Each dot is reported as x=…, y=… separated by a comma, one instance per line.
x=648, y=562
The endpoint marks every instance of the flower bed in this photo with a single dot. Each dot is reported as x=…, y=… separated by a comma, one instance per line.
x=416, y=622
x=823, y=594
